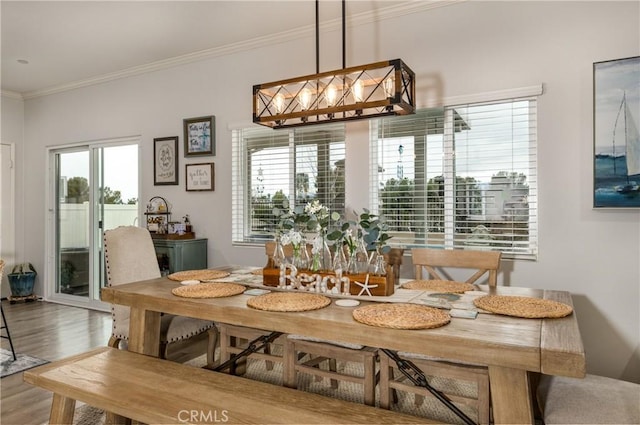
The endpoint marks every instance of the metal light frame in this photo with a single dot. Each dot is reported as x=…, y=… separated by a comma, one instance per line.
x=359, y=92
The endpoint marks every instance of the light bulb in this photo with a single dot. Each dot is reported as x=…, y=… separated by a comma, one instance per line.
x=278, y=103
x=358, y=91
x=389, y=87
x=304, y=98
x=331, y=95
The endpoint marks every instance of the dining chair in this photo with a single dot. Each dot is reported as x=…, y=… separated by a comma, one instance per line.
x=306, y=355
x=130, y=256
x=234, y=339
x=439, y=264
x=591, y=400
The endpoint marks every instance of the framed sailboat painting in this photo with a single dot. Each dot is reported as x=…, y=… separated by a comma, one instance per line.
x=616, y=108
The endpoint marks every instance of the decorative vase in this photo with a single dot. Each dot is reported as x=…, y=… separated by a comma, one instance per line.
x=300, y=257
x=278, y=254
x=21, y=284
x=320, y=255
x=339, y=264
x=352, y=265
x=378, y=266
x=361, y=257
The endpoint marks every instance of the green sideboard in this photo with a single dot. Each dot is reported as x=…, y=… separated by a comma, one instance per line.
x=176, y=255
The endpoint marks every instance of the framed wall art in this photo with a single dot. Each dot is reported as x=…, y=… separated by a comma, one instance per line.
x=200, y=136
x=165, y=161
x=199, y=177
x=616, y=114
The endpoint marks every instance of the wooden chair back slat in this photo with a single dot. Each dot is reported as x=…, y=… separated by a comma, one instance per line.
x=434, y=260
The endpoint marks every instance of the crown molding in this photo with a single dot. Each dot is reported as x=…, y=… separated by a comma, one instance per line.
x=11, y=94
x=490, y=96
x=255, y=43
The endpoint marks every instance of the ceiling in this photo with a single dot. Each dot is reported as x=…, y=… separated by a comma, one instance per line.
x=72, y=43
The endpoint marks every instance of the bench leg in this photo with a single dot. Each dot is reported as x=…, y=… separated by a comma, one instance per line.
x=62, y=410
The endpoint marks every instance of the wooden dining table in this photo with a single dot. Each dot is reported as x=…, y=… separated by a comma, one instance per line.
x=514, y=349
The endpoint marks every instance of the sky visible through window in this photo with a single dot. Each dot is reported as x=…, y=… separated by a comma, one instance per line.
x=475, y=148
x=120, y=171
x=270, y=168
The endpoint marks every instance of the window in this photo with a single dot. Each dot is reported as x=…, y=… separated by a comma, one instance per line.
x=300, y=165
x=459, y=177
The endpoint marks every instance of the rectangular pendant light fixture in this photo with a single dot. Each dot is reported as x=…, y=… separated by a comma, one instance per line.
x=359, y=92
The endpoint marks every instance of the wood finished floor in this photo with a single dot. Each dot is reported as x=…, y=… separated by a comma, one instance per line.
x=48, y=331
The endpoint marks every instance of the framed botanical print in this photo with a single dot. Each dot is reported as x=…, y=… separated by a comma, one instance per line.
x=165, y=161
x=200, y=177
x=616, y=140
x=200, y=136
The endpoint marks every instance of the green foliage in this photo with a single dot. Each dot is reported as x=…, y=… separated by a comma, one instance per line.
x=67, y=273
x=23, y=268
x=397, y=198
x=111, y=196
x=78, y=193
x=77, y=190
x=375, y=228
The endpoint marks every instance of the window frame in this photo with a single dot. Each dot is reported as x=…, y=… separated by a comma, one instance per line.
x=242, y=139
x=451, y=237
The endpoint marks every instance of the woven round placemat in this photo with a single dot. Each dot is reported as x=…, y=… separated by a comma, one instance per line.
x=526, y=307
x=206, y=274
x=288, y=301
x=257, y=272
x=450, y=286
x=208, y=290
x=401, y=316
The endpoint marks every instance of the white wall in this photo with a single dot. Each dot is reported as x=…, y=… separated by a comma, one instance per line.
x=11, y=136
x=464, y=49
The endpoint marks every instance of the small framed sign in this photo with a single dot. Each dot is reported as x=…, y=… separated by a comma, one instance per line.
x=200, y=177
x=165, y=161
x=200, y=136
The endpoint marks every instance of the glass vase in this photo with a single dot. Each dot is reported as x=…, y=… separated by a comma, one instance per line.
x=320, y=255
x=339, y=263
x=278, y=254
x=300, y=257
x=352, y=265
x=378, y=265
x=362, y=257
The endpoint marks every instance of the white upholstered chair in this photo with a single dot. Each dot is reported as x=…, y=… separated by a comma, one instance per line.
x=439, y=263
x=592, y=400
x=129, y=257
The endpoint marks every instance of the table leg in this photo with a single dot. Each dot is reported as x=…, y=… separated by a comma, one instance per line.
x=144, y=331
x=62, y=410
x=113, y=419
x=510, y=395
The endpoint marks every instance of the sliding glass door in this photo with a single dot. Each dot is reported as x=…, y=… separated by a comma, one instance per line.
x=96, y=189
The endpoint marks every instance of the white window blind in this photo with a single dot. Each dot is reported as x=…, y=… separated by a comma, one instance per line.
x=301, y=165
x=459, y=177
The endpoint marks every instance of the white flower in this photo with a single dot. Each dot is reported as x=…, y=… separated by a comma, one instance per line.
x=291, y=237
x=351, y=241
x=317, y=209
x=313, y=207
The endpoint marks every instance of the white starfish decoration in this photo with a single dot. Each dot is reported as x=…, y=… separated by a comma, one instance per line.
x=365, y=286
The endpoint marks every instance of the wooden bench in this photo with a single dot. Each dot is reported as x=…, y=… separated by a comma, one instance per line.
x=155, y=391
